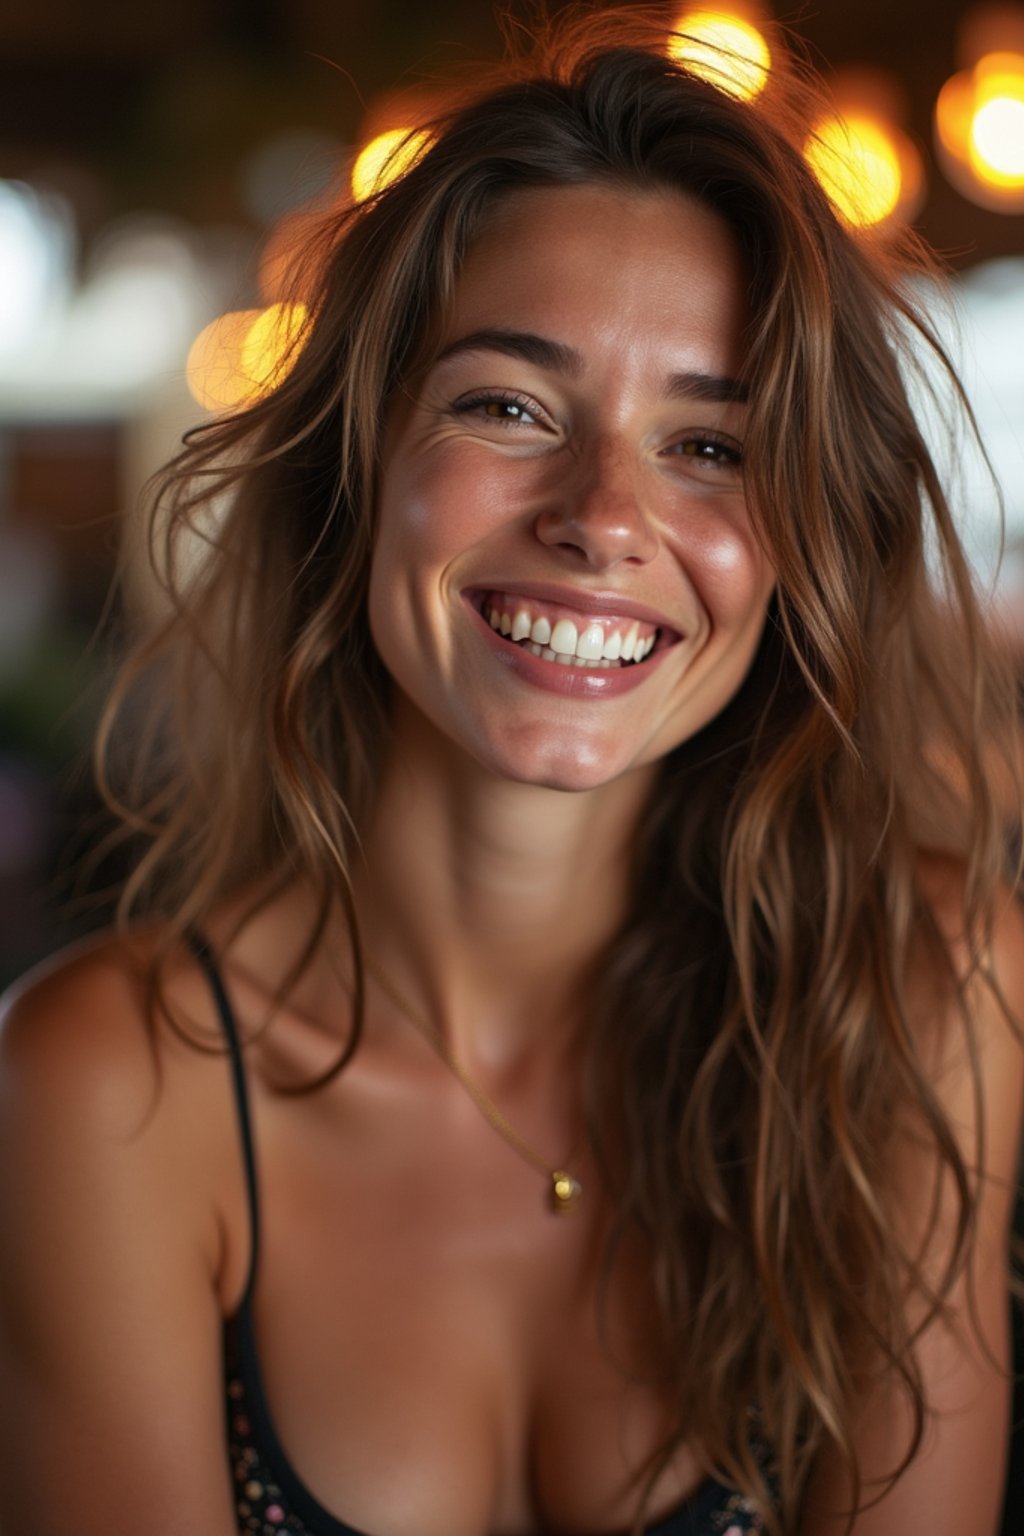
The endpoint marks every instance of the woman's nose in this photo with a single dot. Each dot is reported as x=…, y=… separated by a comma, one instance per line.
x=596, y=511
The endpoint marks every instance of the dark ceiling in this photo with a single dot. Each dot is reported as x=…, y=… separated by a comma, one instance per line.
x=128, y=105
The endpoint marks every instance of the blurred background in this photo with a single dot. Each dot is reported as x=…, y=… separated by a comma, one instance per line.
x=156, y=165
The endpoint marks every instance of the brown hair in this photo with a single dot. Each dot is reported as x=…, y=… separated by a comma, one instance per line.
x=754, y=1036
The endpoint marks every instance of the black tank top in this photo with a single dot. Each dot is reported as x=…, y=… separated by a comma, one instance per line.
x=270, y=1497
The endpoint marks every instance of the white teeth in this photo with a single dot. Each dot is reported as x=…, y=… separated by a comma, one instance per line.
x=563, y=637
x=569, y=645
x=590, y=644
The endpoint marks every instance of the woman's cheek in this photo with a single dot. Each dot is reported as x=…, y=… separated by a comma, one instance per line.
x=453, y=500
x=725, y=562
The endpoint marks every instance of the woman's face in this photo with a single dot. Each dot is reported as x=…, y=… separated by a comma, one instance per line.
x=568, y=469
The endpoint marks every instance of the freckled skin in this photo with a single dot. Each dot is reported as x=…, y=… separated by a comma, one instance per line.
x=600, y=480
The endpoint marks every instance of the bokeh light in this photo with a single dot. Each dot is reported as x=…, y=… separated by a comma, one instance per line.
x=272, y=344
x=997, y=139
x=723, y=48
x=244, y=354
x=979, y=131
x=214, y=364
x=954, y=109
x=857, y=160
x=37, y=254
x=385, y=158
x=996, y=142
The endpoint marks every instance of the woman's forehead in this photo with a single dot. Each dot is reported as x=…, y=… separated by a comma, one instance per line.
x=594, y=262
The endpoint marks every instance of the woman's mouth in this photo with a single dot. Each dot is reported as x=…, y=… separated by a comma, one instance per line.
x=566, y=638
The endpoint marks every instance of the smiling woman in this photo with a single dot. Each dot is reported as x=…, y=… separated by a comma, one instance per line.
x=558, y=1066
x=578, y=402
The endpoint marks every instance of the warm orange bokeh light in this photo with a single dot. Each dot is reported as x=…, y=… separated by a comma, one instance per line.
x=723, y=48
x=953, y=113
x=979, y=129
x=858, y=161
x=214, y=365
x=385, y=158
x=272, y=344
x=243, y=355
x=996, y=138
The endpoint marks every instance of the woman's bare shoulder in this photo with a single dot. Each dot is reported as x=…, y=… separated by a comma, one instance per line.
x=943, y=882
x=981, y=946
x=968, y=1023
x=96, y=978
x=966, y=1041
x=109, y=1115
x=969, y=1015
x=100, y=1081
x=120, y=1180
x=79, y=1029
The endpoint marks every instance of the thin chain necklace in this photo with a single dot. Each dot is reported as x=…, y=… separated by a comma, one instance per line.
x=564, y=1188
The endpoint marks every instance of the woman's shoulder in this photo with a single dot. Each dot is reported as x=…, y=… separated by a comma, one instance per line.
x=72, y=1031
x=117, y=1107
x=982, y=940
x=951, y=1169
x=125, y=1241
x=975, y=1000
x=93, y=975
x=83, y=1023
x=100, y=1080
x=968, y=1025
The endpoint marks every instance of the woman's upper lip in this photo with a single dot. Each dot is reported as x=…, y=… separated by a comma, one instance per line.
x=601, y=603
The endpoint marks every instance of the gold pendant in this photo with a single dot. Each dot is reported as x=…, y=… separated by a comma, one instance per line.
x=565, y=1190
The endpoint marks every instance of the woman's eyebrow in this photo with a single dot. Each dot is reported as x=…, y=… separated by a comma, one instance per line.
x=711, y=388
x=539, y=350
x=560, y=358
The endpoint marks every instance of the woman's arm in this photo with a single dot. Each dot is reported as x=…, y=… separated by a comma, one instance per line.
x=954, y=1486
x=111, y=1393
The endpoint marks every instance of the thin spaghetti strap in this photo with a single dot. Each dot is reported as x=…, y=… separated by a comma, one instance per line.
x=204, y=955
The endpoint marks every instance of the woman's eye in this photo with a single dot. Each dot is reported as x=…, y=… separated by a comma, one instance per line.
x=708, y=450
x=505, y=410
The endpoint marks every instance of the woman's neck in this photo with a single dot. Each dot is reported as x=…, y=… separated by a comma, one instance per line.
x=486, y=901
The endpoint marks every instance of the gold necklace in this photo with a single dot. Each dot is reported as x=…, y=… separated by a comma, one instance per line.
x=565, y=1189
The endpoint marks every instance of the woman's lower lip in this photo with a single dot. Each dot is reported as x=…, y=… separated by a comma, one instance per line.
x=575, y=682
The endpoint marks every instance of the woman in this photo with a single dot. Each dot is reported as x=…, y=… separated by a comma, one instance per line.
x=568, y=788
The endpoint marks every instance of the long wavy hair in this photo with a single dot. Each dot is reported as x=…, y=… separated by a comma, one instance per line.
x=753, y=1041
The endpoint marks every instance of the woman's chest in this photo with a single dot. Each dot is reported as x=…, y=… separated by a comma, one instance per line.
x=433, y=1347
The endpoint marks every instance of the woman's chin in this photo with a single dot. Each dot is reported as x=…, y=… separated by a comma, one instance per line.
x=515, y=747
x=573, y=767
